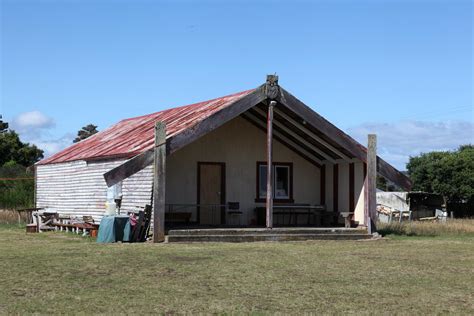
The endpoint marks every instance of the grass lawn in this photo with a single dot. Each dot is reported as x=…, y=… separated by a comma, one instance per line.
x=62, y=273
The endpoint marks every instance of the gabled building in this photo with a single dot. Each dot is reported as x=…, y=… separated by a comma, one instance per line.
x=216, y=165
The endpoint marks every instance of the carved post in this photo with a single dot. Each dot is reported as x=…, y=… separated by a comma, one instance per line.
x=271, y=91
x=159, y=183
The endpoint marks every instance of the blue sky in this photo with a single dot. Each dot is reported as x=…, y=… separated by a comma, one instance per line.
x=401, y=69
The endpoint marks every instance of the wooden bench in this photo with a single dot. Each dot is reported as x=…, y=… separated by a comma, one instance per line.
x=347, y=218
x=86, y=226
x=295, y=210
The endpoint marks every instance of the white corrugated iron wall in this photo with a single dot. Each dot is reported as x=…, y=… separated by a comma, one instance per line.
x=78, y=188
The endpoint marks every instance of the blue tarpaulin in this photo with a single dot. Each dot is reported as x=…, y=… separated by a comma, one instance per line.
x=114, y=228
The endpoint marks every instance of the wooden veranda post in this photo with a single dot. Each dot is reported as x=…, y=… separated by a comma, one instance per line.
x=272, y=91
x=370, y=185
x=159, y=183
x=270, y=165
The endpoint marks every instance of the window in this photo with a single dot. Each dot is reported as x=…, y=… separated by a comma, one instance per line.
x=282, y=182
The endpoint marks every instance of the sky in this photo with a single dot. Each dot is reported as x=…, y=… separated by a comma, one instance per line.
x=400, y=69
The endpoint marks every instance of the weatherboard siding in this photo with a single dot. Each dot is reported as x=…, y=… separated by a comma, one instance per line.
x=239, y=145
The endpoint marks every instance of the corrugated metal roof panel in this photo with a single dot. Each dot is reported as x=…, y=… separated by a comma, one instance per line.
x=132, y=136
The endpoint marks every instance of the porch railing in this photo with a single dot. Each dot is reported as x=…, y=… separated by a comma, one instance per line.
x=198, y=214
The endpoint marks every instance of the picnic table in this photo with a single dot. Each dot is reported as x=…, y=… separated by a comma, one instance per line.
x=114, y=228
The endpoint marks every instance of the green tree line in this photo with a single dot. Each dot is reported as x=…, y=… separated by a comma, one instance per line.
x=16, y=173
x=17, y=161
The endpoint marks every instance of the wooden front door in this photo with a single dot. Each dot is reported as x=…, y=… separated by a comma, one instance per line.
x=211, y=193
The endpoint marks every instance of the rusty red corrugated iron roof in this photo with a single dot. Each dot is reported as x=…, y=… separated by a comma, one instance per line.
x=133, y=136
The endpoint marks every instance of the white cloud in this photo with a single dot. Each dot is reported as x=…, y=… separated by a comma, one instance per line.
x=397, y=141
x=33, y=120
x=35, y=128
x=52, y=146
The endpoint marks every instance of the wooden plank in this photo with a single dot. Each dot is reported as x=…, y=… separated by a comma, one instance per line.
x=351, y=187
x=159, y=183
x=312, y=135
x=278, y=132
x=344, y=140
x=217, y=119
x=300, y=139
x=284, y=140
x=370, y=188
x=322, y=185
x=269, y=205
x=320, y=123
x=335, y=188
x=129, y=167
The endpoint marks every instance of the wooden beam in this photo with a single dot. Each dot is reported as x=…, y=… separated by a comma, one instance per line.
x=269, y=205
x=370, y=183
x=351, y=187
x=217, y=119
x=300, y=139
x=129, y=168
x=344, y=140
x=284, y=140
x=322, y=185
x=320, y=123
x=159, y=182
x=312, y=135
x=335, y=188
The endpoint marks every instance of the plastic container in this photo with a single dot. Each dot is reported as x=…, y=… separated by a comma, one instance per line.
x=110, y=208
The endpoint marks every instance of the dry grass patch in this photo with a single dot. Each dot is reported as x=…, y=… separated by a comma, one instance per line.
x=11, y=217
x=452, y=227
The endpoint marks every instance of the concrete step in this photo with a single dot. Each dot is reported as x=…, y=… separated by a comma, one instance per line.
x=265, y=231
x=265, y=237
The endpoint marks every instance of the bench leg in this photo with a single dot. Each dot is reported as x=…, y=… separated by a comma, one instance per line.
x=347, y=221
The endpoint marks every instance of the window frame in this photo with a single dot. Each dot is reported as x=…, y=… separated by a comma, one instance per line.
x=275, y=164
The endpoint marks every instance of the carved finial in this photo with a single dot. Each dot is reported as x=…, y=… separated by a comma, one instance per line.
x=271, y=86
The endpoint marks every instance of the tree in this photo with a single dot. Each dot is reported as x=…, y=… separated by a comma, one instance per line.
x=13, y=149
x=384, y=185
x=85, y=132
x=16, y=186
x=450, y=174
x=3, y=126
x=16, y=179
